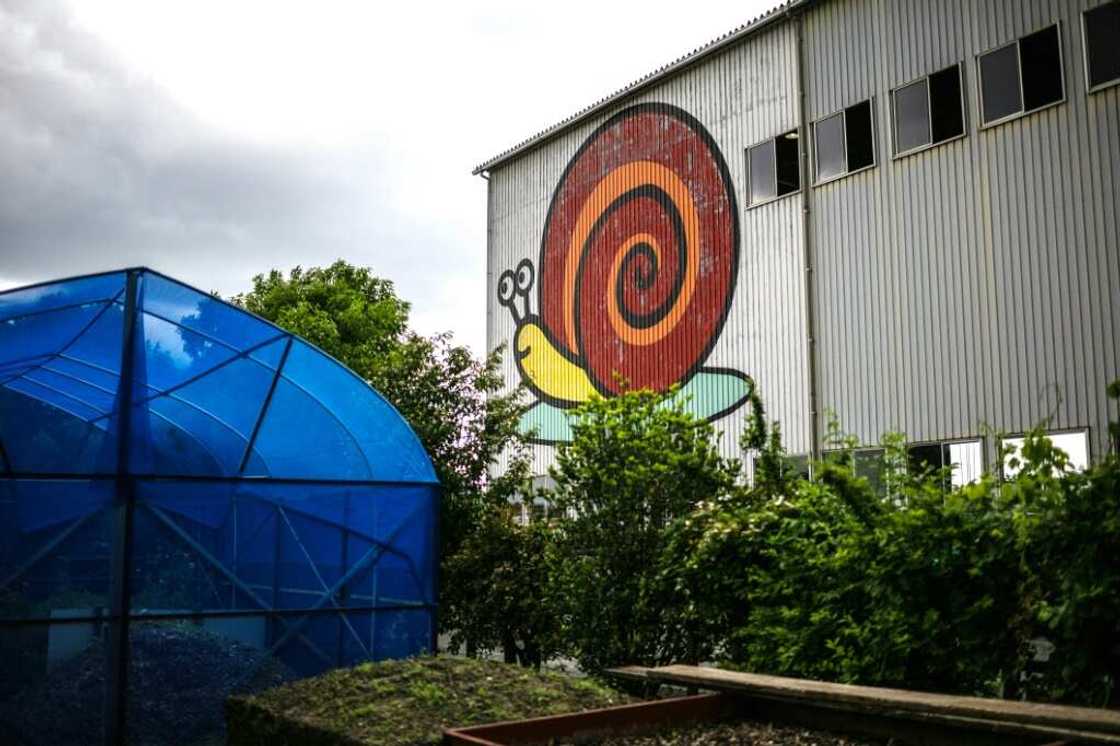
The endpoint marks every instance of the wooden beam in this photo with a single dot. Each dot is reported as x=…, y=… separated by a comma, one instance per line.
x=1029, y=718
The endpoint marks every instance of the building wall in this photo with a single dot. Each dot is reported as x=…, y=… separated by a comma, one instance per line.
x=975, y=283
x=742, y=96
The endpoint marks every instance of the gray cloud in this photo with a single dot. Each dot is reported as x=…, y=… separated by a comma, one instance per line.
x=101, y=169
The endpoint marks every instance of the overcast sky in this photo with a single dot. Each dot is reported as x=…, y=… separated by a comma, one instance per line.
x=216, y=140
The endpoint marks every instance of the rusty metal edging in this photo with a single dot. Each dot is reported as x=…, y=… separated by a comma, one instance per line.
x=640, y=717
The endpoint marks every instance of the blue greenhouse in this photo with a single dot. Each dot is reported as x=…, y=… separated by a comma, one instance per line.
x=193, y=503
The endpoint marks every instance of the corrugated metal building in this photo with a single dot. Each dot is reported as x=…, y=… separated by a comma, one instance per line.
x=902, y=211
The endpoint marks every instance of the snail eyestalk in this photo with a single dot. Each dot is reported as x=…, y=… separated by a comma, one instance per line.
x=524, y=279
x=507, y=294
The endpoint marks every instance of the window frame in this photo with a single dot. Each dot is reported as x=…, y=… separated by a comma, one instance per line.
x=897, y=155
x=751, y=202
x=1089, y=87
x=1023, y=111
x=844, y=113
x=961, y=440
x=1021, y=435
x=787, y=460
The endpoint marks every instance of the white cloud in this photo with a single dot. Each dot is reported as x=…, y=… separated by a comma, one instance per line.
x=216, y=140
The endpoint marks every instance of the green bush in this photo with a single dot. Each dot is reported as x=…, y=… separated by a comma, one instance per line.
x=500, y=602
x=928, y=587
x=1068, y=527
x=636, y=463
x=658, y=553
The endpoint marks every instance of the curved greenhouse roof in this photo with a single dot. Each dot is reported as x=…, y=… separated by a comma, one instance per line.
x=216, y=390
x=193, y=503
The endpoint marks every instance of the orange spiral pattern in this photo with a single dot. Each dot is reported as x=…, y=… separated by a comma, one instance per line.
x=640, y=251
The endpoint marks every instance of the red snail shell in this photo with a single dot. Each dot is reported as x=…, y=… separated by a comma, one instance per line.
x=640, y=251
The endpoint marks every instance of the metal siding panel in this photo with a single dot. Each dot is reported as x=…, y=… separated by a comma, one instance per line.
x=985, y=269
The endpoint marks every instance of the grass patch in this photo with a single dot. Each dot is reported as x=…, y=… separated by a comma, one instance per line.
x=406, y=702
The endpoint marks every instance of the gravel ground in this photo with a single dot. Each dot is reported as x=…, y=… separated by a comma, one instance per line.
x=179, y=679
x=739, y=733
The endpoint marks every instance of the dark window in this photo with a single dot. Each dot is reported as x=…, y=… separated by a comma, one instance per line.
x=945, y=104
x=928, y=111
x=1102, y=44
x=926, y=457
x=795, y=466
x=830, y=147
x=999, y=83
x=775, y=168
x=1040, y=55
x=964, y=459
x=763, y=182
x=871, y=465
x=911, y=115
x=844, y=142
x=861, y=142
x=789, y=169
x=868, y=463
x=1021, y=77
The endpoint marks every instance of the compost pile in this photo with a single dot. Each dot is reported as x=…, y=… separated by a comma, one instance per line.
x=179, y=679
x=407, y=702
x=738, y=733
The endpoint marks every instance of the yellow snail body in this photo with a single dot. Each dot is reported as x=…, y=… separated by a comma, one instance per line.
x=551, y=372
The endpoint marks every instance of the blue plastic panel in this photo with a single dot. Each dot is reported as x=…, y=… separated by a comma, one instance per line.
x=74, y=388
x=99, y=346
x=68, y=404
x=232, y=395
x=188, y=441
x=202, y=313
x=70, y=366
x=174, y=355
x=45, y=333
x=300, y=438
x=386, y=441
x=281, y=542
x=40, y=438
x=319, y=552
x=39, y=298
x=52, y=554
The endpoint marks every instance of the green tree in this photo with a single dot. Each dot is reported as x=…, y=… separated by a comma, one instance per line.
x=636, y=463
x=453, y=401
x=501, y=601
x=344, y=310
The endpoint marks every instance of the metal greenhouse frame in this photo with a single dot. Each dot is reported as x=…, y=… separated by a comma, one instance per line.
x=169, y=462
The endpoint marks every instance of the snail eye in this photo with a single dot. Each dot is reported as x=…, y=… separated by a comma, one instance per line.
x=506, y=286
x=524, y=276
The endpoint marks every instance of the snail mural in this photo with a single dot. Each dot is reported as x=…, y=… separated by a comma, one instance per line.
x=636, y=273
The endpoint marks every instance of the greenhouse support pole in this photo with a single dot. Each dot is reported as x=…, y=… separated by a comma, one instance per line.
x=116, y=648
x=437, y=499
